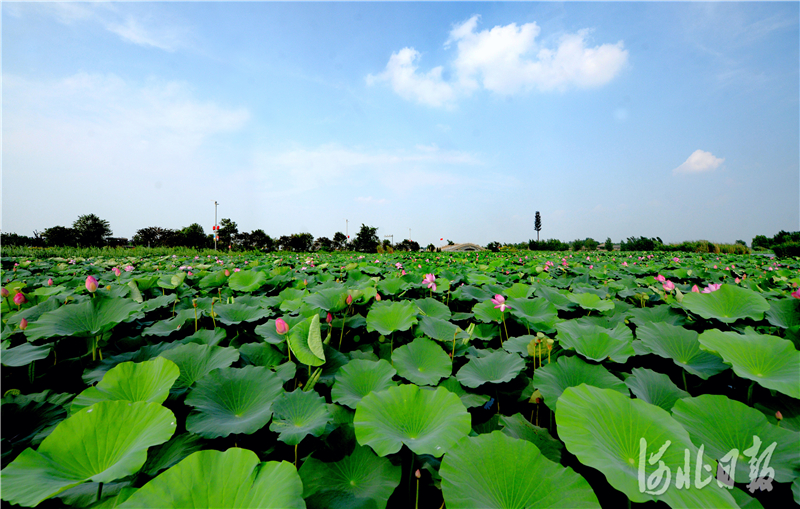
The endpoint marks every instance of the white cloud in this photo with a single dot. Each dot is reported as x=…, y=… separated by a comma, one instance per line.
x=506, y=60
x=699, y=162
x=402, y=74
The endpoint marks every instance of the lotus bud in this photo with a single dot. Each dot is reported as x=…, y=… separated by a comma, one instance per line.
x=194, y=303
x=378, y=297
x=349, y=300
x=3, y=292
x=116, y=271
x=19, y=299
x=417, y=474
x=50, y=282
x=778, y=414
x=91, y=284
x=281, y=326
x=23, y=324
x=329, y=318
x=227, y=273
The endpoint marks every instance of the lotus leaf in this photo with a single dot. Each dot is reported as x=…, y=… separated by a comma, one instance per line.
x=728, y=304
x=360, y=377
x=88, y=318
x=247, y=280
x=654, y=388
x=298, y=414
x=388, y=317
x=517, y=426
x=497, y=367
x=306, y=342
x=682, y=346
x=195, y=361
x=553, y=379
x=422, y=362
x=597, y=343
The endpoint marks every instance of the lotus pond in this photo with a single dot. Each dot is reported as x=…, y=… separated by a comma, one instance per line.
x=402, y=380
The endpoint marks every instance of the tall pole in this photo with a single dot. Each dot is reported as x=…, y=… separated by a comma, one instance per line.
x=409, y=234
x=346, y=227
x=215, y=225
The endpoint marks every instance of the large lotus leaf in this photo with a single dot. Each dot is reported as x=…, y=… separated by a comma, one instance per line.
x=232, y=401
x=158, y=302
x=269, y=332
x=433, y=308
x=166, y=455
x=145, y=381
x=247, y=280
x=469, y=399
x=468, y=292
x=360, y=480
x=101, y=443
x=392, y=286
x=597, y=343
x=557, y=297
x=497, y=367
x=33, y=313
x=25, y=417
x=360, y=377
x=486, y=312
x=330, y=299
x=170, y=325
x=519, y=291
x=682, y=346
x=305, y=341
x=88, y=318
x=517, y=426
x=387, y=317
x=553, y=379
x=722, y=425
x=658, y=314
x=211, y=337
x=497, y=471
x=427, y=422
x=231, y=314
x=213, y=279
x=591, y=302
x=261, y=354
x=654, y=388
x=231, y=479
x=195, y=361
x=298, y=414
x=728, y=304
x=24, y=354
x=537, y=313
x=770, y=361
x=422, y=362
x=94, y=374
x=623, y=438
x=440, y=329
x=784, y=313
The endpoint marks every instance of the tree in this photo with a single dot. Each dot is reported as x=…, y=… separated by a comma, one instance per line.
x=494, y=247
x=367, y=239
x=339, y=241
x=152, y=236
x=261, y=241
x=91, y=231
x=537, y=225
x=609, y=244
x=301, y=242
x=590, y=244
x=194, y=236
x=60, y=236
x=450, y=242
x=323, y=244
x=577, y=245
x=408, y=245
x=227, y=231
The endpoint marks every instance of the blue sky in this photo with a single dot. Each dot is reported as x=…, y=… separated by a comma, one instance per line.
x=456, y=120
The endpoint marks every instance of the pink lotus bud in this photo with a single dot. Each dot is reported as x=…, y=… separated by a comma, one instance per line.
x=23, y=324
x=227, y=273
x=695, y=289
x=778, y=414
x=91, y=284
x=417, y=474
x=329, y=318
x=19, y=299
x=668, y=286
x=50, y=282
x=3, y=293
x=281, y=326
x=378, y=297
x=349, y=299
x=116, y=271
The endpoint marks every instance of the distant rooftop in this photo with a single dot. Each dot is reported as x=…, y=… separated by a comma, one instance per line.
x=462, y=247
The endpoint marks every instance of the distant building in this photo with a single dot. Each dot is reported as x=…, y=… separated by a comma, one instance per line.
x=458, y=248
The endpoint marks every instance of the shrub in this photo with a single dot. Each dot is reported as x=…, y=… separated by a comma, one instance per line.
x=577, y=245
x=590, y=244
x=786, y=249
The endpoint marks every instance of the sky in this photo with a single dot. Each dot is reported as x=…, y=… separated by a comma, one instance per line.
x=429, y=121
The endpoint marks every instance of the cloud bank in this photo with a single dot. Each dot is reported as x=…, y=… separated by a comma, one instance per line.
x=699, y=162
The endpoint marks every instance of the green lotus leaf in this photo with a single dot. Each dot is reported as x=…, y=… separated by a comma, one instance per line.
x=770, y=361
x=553, y=379
x=91, y=317
x=519, y=291
x=468, y=292
x=231, y=479
x=171, y=453
x=796, y=490
x=195, y=361
x=520, y=345
x=269, y=332
x=299, y=414
x=158, y=302
x=247, y=280
x=538, y=314
x=556, y=297
x=427, y=422
x=360, y=480
x=486, y=312
x=591, y=302
x=232, y=401
x=94, y=374
x=517, y=426
x=26, y=418
x=211, y=337
x=656, y=315
x=722, y=425
x=422, y=362
x=392, y=286
x=170, y=325
x=148, y=381
x=433, y=308
x=622, y=437
x=33, y=313
x=654, y=388
x=24, y=354
x=497, y=367
x=333, y=299
x=231, y=314
x=469, y=399
x=440, y=329
x=306, y=342
x=497, y=471
x=728, y=304
x=261, y=354
x=597, y=343
x=387, y=317
x=682, y=346
x=213, y=279
x=101, y=443
x=784, y=313
x=360, y=377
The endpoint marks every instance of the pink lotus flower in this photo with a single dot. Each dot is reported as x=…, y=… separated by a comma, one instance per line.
x=695, y=289
x=281, y=326
x=349, y=299
x=676, y=260
x=429, y=280
x=116, y=271
x=591, y=267
x=190, y=273
x=128, y=268
x=500, y=302
x=660, y=278
x=796, y=294
x=3, y=293
x=50, y=282
x=19, y=299
x=329, y=318
x=712, y=287
x=91, y=284
x=624, y=264
x=237, y=269
x=398, y=265
x=668, y=286
x=23, y=324
x=736, y=280
x=227, y=273
x=378, y=297
x=403, y=273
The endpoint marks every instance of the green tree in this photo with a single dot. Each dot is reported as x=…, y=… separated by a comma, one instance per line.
x=590, y=244
x=339, y=241
x=194, y=236
x=609, y=244
x=537, y=225
x=60, y=236
x=261, y=241
x=367, y=239
x=91, y=231
x=227, y=231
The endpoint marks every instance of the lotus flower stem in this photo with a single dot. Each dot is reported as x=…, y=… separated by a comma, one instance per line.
x=750, y=393
x=99, y=491
x=685, y=387
x=31, y=372
x=503, y=316
x=453, y=355
x=416, y=502
x=212, y=314
x=295, y=447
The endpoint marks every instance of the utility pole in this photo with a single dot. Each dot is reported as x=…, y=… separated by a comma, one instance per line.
x=216, y=231
x=346, y=226
x=409, y=234
x=388, y=236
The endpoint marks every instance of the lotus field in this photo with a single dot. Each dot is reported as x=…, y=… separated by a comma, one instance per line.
x=467, y=380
